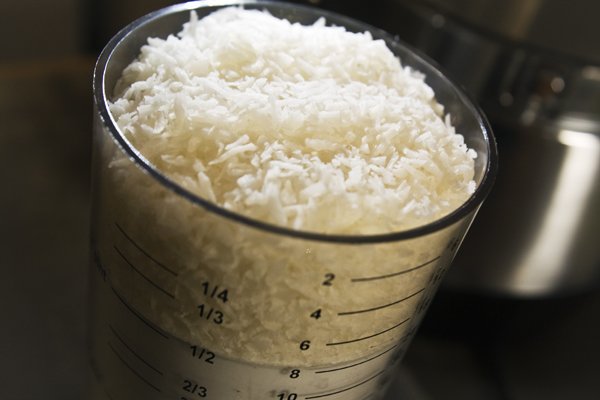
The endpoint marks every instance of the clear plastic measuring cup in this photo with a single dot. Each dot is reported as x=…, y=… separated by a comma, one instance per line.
x=190, y=300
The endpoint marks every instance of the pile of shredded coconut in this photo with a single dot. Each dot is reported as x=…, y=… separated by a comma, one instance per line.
x=309, y=127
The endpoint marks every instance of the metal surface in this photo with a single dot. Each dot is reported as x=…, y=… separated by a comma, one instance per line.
x=544, y=216
x=569, y=27
x=541, y=223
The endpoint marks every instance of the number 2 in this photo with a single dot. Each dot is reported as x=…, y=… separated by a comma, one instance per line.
x=328, y=279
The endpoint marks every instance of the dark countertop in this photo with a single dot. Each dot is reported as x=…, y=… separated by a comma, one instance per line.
x=45, y=125
x=470, y=347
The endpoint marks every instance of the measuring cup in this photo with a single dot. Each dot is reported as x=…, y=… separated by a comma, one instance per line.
x=190, y=300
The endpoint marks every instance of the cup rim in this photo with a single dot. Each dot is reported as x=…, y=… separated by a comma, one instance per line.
x=470, y=205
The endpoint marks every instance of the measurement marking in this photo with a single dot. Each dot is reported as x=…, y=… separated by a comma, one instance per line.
x=131, y=350
x=142, y=275
x=345, y=390
x=380, y=307
x=134, y=312
x=140, y=248
x=405, y=338
x=372, y=278
x=131, y=368
x=367, y=337
x=359, y=363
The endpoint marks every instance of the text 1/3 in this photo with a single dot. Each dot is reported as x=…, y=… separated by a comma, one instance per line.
x=210, y=314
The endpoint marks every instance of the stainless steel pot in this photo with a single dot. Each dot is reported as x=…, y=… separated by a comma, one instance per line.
x=538, y=234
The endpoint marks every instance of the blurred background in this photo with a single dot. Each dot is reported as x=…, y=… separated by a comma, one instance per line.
x=518, y=317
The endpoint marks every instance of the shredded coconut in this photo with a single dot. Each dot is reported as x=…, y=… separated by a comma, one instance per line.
x=281, y=122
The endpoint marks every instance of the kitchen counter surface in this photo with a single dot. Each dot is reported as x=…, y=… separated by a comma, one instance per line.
x=45, y=125
x=470, y=347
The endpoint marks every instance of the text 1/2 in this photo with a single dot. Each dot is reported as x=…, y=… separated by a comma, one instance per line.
x=203, y=354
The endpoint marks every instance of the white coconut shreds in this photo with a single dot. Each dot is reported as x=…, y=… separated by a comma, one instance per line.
x=310, y=127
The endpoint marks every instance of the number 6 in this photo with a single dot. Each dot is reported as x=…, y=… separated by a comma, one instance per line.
x=305, y=345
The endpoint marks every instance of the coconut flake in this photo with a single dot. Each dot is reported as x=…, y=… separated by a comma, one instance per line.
x=294, y=124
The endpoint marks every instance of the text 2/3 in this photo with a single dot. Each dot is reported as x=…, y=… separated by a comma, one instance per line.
x=193, y=388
